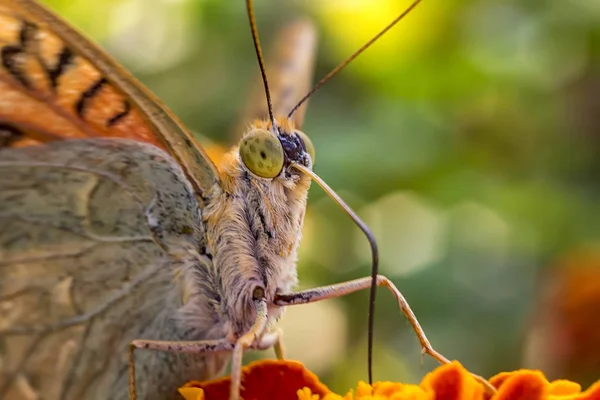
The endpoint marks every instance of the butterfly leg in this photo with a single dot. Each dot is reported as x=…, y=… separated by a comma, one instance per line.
x=202, y=346
x=247, y=340
x=251, y=339
x=342, y=289
x=278, y=346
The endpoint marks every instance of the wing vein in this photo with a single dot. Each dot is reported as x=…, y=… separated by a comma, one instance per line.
x=79, y=319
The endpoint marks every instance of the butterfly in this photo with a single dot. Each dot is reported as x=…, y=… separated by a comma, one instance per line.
x=129, y=262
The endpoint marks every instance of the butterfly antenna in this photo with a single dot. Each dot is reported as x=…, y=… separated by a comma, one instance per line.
x=348, y=60
x=261, y=62
x=363, y=227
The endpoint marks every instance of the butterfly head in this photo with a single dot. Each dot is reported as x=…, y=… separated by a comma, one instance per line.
x=269, y=152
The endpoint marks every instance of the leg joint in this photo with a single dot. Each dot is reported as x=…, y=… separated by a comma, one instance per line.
x=382, y=280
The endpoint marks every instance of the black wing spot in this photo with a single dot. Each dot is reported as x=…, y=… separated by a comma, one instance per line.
x=89, y=94
x=65, y=60
x=27, y=34
x=12, y=60
x=9, y=134
x=14, y=55
x=120, y=115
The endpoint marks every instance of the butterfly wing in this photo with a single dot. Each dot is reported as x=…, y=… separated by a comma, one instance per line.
x=55, y=84
x=77, y=288
x=75, y=291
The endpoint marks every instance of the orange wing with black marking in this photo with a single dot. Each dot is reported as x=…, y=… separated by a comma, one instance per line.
x=55, y=84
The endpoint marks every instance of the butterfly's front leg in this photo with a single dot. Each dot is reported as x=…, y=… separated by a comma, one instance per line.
x=197, y=347
x=248, y=340
x=342, y=289
x=254, y=338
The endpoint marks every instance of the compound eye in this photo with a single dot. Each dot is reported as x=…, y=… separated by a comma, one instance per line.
x=258, y=293
x=310, y=148
x=262, y=153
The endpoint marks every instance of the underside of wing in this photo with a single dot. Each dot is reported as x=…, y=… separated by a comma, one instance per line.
x=80, y=277
x=55, y=84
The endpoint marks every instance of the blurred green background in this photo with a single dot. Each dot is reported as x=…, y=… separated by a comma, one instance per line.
x=468, y=138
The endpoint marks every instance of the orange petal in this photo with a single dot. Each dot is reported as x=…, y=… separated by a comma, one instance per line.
x=363, y=389
x=499, y=379
x=522, y=385
x=306, y=394
x=289, y=380
x=593, y=393
x=387, y=389
x=563, y=387
x=452, y=382
x=191, y=393
x=265, y=380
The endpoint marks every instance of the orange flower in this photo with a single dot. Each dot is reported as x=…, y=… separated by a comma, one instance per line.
x=288, y=380
x=262, y=380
